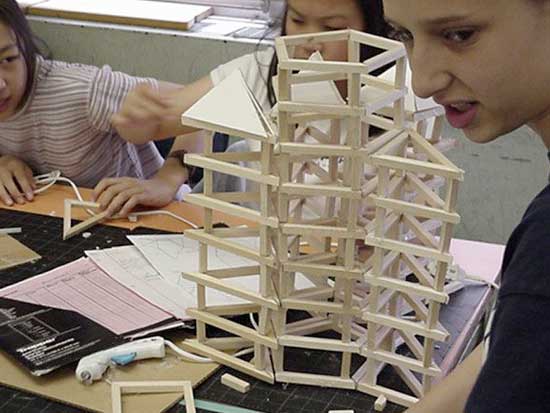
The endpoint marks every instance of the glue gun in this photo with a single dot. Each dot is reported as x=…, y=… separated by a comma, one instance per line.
x=92, y=367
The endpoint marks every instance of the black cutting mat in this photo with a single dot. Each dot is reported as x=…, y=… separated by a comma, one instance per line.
x=43, y=235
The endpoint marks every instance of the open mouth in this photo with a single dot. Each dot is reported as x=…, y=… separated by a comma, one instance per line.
x=461, y=115
x=4, y=103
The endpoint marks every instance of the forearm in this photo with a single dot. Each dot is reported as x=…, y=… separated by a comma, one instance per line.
x=191, y=142
x=149, y=113
x=137, y=136
x=451, y=394
x=179, y=100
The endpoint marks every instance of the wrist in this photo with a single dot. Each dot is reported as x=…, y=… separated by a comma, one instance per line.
x=179, y=155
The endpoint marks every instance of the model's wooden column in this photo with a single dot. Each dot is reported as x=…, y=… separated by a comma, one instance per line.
x=284, y=169
x=251, y=244
x=332, y=271
x=396, y=256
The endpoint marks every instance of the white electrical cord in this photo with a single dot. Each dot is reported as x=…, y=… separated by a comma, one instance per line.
x=162, y=212
x=49, y=179
x=198, y=359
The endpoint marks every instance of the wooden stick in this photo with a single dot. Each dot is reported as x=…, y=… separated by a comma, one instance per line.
x=298, y=39
x=220, y=285
x=70, y=231
x=233, y=327
x=228, y=360
x=235, y=383
x=228, y=208
x=417, y=166
x=230, y=169
x=315, y=380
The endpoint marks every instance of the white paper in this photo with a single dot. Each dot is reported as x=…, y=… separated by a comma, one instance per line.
x=172, y=255
x=129, y=267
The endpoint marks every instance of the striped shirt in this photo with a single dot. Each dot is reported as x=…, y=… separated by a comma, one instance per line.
x=65, y=125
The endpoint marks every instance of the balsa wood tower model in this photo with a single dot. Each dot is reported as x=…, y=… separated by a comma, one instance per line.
x=354, y=308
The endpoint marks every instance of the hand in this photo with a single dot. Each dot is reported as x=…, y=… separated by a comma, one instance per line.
x=16, y=181
x=141, y=115
x=120, y=195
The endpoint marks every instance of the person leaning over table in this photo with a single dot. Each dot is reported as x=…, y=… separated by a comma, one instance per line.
x=488, y=63
x=149, y=114
x=57, y=116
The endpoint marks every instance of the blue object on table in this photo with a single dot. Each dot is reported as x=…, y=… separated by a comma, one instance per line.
x=219, y=407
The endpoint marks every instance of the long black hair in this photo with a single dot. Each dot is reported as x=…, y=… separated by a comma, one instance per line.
x=12, y=17
x=373, y=16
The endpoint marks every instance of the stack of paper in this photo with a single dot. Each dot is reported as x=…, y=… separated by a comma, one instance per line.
x=153, y=266
x=82, y=287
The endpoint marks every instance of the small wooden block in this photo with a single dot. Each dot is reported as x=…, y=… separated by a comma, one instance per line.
x=235, y=383
x=380, y=403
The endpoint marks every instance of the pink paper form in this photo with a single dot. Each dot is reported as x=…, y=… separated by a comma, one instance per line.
x=82, y=287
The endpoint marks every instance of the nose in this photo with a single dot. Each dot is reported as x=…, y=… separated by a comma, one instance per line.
x=3, y=82
x=312, y=47
x=430, y=74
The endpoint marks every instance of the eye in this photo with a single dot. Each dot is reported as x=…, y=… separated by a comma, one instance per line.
x=297, y=20
x=458, y=36
x=9, y=59
x=329, y=28
x=399, y=35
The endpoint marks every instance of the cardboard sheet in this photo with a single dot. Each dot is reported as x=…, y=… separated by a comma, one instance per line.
x=477, y=258
x=230, y=108
x=143, y=13
x=62, y=385
x=13, y=253
x=51, y=203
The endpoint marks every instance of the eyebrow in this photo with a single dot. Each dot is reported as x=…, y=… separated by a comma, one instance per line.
x=7, y=47
x=336, y=16
x=445, y=20
x=438, y=21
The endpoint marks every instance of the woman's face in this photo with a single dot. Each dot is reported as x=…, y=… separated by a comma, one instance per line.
x=486, y=61
x=312, y=16
x=13, y=74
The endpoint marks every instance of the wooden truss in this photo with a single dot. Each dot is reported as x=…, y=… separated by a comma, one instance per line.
x=119, y=388
x=397, y=173
x=70, y=231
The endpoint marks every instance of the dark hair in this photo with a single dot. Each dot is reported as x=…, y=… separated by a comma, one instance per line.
x=13, y=17
x=373, y=17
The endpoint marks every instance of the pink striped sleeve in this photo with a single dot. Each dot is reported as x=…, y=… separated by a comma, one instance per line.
x=107, y=92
